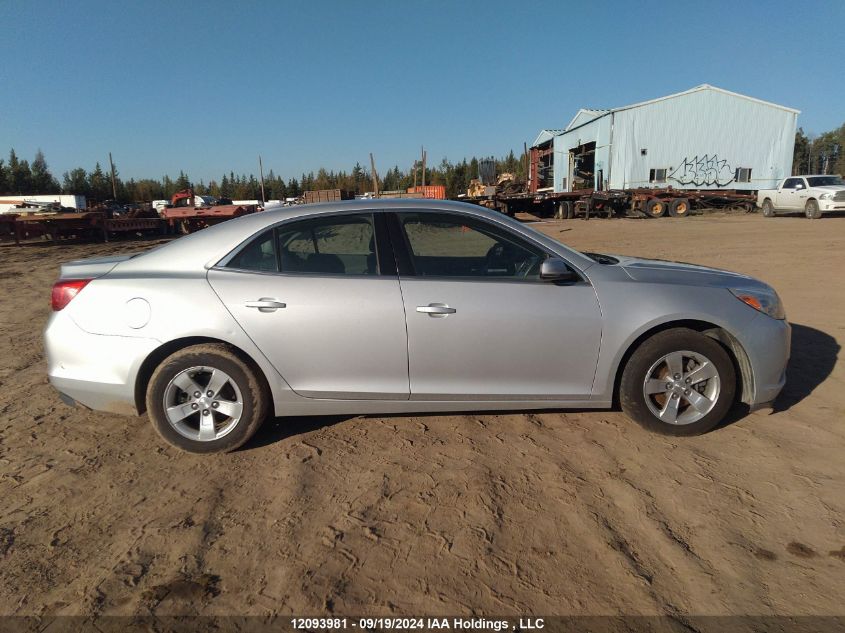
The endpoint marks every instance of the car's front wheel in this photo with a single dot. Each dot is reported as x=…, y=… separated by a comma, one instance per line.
x=206, y=399
x=678, y=382
x=811, y=210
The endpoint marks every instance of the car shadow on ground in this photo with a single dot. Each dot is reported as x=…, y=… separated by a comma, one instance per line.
x=278, y=429
x=800, y=214
x=812, y=359
x=813, y=356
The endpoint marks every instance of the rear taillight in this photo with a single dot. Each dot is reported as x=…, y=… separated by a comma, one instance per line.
x=65, y=290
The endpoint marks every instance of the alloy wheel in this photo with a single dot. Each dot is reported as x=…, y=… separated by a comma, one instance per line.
x=203, y=403
x=682, y=387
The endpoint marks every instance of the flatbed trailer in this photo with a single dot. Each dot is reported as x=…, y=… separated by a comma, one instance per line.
x=652, y=203
x=133, y=225
x=60, y=225
x=190, y=220
x=7, y=226
x=91, y=224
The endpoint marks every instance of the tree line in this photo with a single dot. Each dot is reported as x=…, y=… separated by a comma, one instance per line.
x=824, y=153
x=19, y=176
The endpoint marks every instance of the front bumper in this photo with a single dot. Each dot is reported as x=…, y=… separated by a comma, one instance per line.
x=831, y=205
x=95, y=371
x=767, y=343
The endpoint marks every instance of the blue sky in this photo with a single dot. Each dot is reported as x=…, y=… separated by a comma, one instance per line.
x=205, y=87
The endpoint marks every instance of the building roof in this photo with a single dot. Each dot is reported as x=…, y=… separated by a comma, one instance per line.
x=588, y=112
x=706, y=87
x=546, y=135
x=594, y=113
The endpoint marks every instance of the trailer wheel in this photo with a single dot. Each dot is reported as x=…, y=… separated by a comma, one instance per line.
x=655, y=208
x=564, y=211
x=679, y=208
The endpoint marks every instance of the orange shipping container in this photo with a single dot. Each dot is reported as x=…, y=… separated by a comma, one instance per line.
x=435, y=192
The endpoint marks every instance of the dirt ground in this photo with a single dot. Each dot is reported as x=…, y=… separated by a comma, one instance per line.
x=552, y=513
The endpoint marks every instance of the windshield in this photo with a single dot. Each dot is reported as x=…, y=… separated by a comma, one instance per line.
x=825, y=181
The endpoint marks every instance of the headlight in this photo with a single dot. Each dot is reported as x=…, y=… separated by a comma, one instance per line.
x=765, y=300
x=826, y=196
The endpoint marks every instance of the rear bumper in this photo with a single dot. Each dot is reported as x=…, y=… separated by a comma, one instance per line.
x=95, y=371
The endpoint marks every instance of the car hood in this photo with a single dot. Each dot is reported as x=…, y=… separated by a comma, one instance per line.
x=830, y=187
x=660, y=271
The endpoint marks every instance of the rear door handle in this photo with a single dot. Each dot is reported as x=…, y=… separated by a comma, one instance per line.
x=436, y=309
x=266, y=304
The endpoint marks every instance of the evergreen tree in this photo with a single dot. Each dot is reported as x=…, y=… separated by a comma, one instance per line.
x=99, y=185
x=19, y=175
x=801, y=153
x=182, y=182
x=42, y=179
x=75, y=182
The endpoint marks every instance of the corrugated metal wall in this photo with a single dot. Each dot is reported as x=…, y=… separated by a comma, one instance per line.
x=700, y=138
x=597, y=131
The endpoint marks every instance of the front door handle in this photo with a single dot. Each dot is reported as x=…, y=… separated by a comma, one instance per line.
x=266, y=304
x=436, y=310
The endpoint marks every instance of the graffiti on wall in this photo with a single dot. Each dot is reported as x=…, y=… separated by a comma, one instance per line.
x=703, y=171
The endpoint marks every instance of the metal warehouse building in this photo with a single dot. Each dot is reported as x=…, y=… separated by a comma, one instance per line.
x=703, y=138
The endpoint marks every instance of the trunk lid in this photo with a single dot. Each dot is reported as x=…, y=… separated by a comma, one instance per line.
x=92, y=267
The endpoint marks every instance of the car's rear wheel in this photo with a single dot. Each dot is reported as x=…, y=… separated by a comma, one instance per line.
x=768, y=209
x=811, y=210
x=206, y=399
x=678, y=382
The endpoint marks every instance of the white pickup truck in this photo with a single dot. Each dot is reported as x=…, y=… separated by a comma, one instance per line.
x=811, y=194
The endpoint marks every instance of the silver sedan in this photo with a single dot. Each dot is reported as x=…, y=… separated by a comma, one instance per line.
x=404, y=306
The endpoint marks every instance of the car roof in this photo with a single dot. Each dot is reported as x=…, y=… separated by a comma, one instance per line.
x=205, y=248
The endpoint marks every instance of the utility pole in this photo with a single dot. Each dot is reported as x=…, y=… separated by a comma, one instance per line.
x=113, y=180
x=415, y=175
x=261, y=171
x=375, y=176
x=527, y=161
x=422, y=149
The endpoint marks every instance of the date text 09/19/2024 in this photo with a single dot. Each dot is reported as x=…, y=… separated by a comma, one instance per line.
x=418, y=624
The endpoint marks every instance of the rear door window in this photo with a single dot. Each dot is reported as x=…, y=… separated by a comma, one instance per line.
x=258, y=255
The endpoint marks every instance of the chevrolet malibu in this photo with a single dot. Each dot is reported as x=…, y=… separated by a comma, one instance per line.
x=403, y=306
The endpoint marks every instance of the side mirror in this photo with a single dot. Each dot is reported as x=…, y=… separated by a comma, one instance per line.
x=554, y=269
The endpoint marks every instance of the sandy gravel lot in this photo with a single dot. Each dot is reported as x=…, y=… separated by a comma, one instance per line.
x=554, y=513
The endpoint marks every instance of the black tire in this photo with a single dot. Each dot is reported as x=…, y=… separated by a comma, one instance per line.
x=655, y=208
x=679, y=208
x=564, y=211
x=768, y=209
x=631, y=389
x=254, y=394
x=811, y=210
